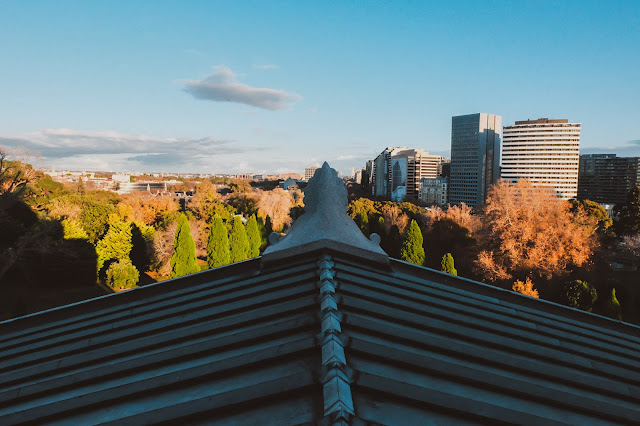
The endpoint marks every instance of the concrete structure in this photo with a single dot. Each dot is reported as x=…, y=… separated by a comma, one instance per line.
x=606, y=178
x=397, y=172
x=322, y=329
x=475, y=157
x=434, y=191
x=545, y=152
x=309, y=171
x=126, y=187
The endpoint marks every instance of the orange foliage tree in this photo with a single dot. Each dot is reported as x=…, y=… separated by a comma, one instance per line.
x=527, y=232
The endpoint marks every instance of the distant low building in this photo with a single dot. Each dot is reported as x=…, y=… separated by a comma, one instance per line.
x=310, y=171
x=434, y=191
x=127, y=187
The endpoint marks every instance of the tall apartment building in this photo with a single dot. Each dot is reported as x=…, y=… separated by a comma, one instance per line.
x=475, y=157
x=606, y=178
x=397, y=172
x=545, y=152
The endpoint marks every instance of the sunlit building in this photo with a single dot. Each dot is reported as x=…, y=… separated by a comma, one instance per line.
x=475, y=157
x=545, y=152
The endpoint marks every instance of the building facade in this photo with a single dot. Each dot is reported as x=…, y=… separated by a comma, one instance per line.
x=475, y=157
x=397, y=172
x=310, y=171
x=545, y=152
x=606, y=178
x=434, y=191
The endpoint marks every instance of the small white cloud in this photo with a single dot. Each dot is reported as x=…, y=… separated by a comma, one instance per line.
x=221, y=86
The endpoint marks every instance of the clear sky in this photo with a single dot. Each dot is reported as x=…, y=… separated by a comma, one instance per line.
x=266, y=86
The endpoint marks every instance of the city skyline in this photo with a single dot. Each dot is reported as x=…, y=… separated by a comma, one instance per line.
x=212, y=88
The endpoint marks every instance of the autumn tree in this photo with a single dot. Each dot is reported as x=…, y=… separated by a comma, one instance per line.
x=447, y=264
x=218, y=253
x=238, y=241
x=527, y=231
x=412, y=250
x=276, y=204
x=525, y=287
x=184, y=260
x=253, y=235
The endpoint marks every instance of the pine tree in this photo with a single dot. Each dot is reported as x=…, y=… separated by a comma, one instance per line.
x=218, y=246
x=184, y=260
x=122, y=275
x=393, y=243
x=116, y=244
x=268, y=226
x=447, y=264
x=362, y=219
x=238, y=241
x=612, y=306
x=253, y=235
x=412, y=250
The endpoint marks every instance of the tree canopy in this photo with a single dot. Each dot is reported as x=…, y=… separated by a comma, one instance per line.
x=447, y=264
x=412, y=250
x=253, y=235
x=238, y=241
x=218, y=253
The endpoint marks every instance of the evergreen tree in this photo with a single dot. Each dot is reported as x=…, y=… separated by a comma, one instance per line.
x=73, y=230
x=580, y=295
x=184, y=260
x=238, y=241
x=122, y=275
x=447, y=264
x=268, y=226
x=612, y=306
x=264, y=241
x=218, y=246
x=629, y=213
x=141, y=240
x=116, y=244
x=412, y=250
x=393, y=242
x=253, y=235
x=362, y=219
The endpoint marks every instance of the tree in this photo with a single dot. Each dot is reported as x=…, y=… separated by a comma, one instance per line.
x=73, y=230
x=591, y=213
x=362, y=220
x=116, y=244
x=184, y=260
x=393, y=243
x=629, y=213
x=612, y=306
x=238, y=241
x=218, y=253
x=94, y=218
x=525, y=288
x=580, y=295
x=142, y=246
x=447, y=264
x=253, y=235
x=122, y=275
x=412, y=250
x=277, y=205
x=528, y=231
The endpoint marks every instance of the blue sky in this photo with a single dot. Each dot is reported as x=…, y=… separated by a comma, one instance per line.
x=276, y=86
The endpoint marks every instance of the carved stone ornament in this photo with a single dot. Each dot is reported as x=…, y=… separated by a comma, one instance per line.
x=325, y=219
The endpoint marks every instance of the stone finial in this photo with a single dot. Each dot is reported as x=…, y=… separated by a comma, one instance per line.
x=325, y=222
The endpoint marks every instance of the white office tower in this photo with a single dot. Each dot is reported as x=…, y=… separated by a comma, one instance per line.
x=475, y=157
x=545, y=152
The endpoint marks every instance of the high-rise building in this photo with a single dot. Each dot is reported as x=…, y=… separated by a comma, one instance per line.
x=475, y=157
x=397, y=172
x=606, y=178
x=434, y=191
x=545, y=152
x=310, y=171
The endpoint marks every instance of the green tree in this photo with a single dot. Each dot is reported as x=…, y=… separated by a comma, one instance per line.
x=412, y=250
x=253, y=235
x=218, y=245
x=393, y=242
x=238, y=241
x=362, y=220
x=73, y=230
x=612, y=306
x=629, y=213
x=122, y=275
x=268, y=226
x=447, y=264
x=142, y=246
x=116, y=244
x=580, y=295
x=94, y=218
x=184, y=260
x=593, y=212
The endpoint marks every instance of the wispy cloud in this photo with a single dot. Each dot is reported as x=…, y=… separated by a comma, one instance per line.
x=266, y=67
x=221, y=86
x=109, y=150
